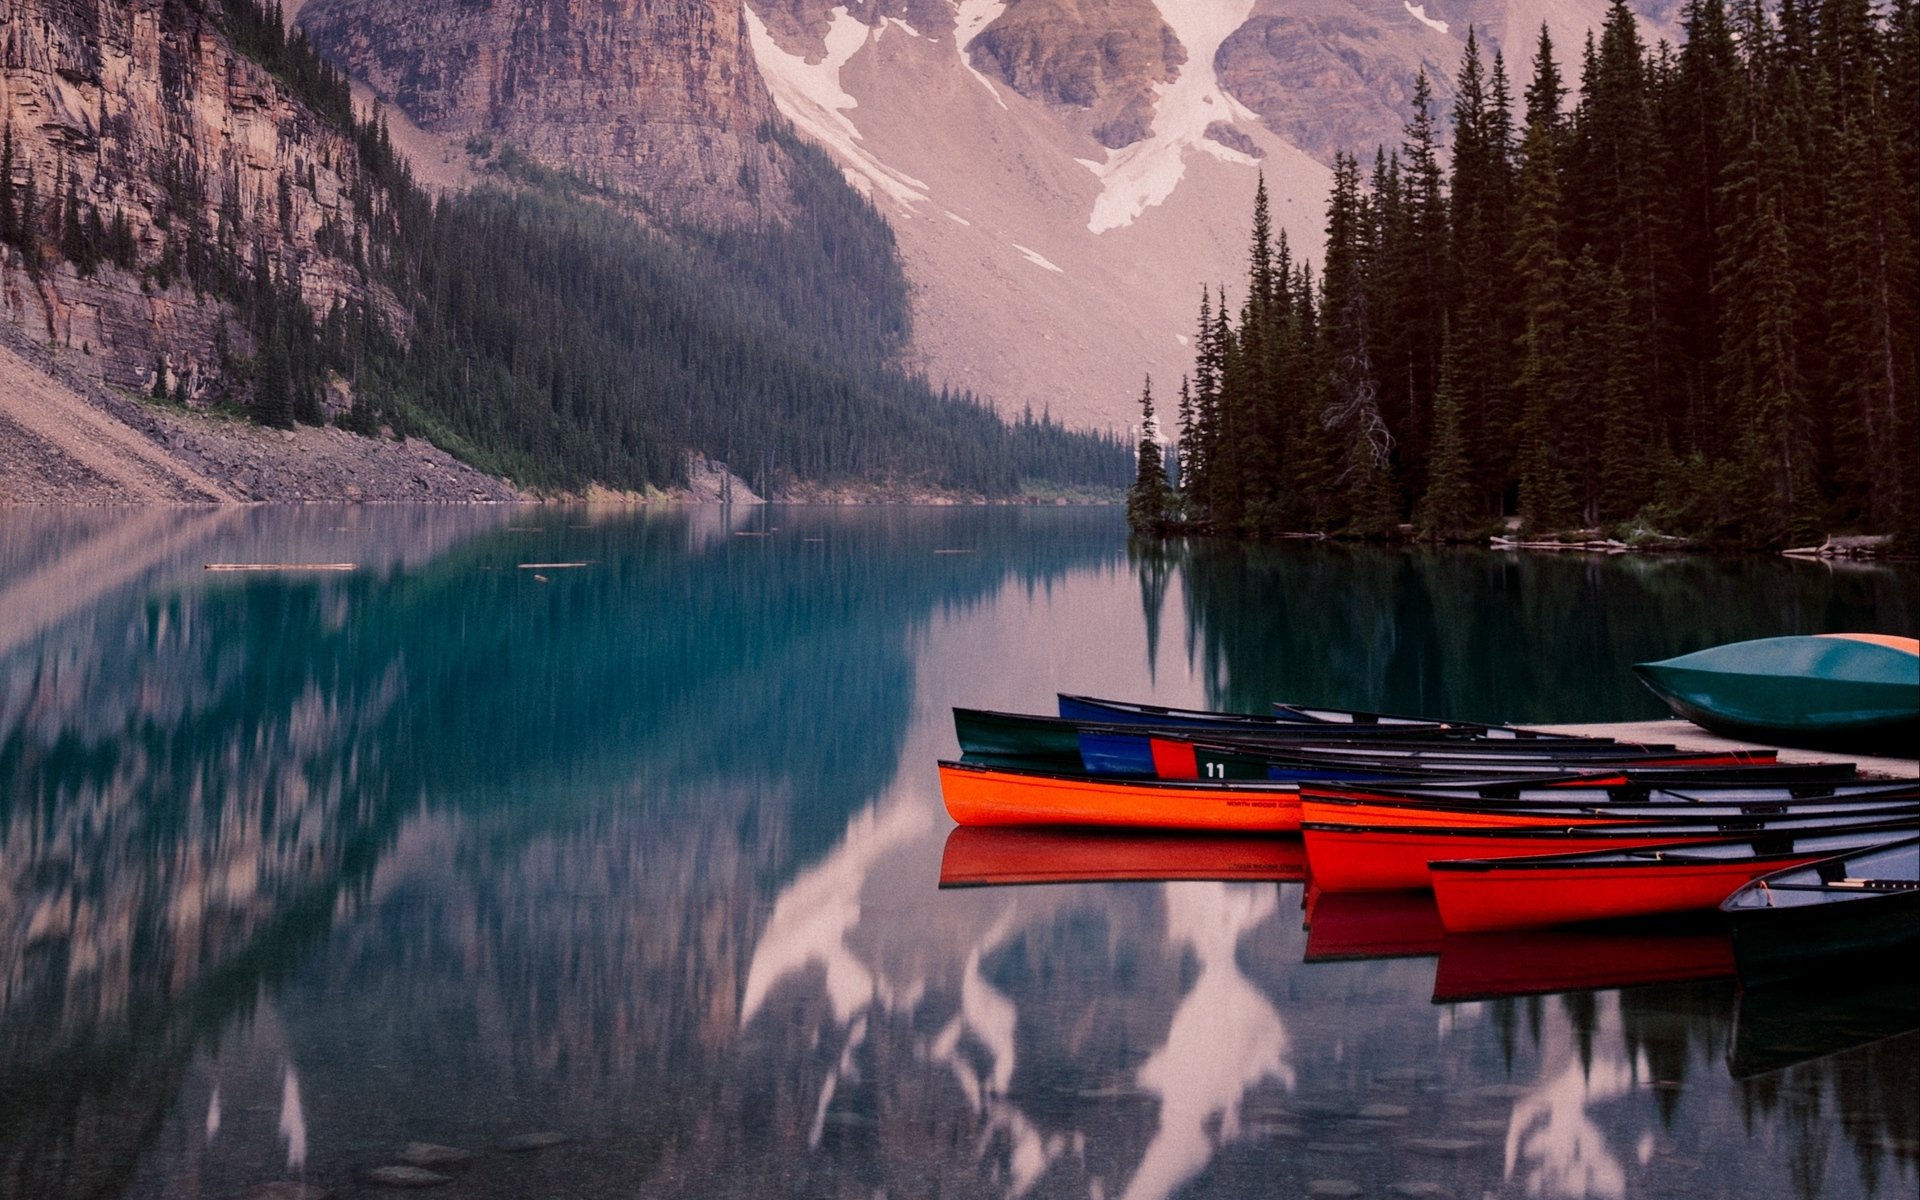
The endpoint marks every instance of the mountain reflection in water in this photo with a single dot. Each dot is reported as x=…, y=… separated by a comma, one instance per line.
x=296, y=870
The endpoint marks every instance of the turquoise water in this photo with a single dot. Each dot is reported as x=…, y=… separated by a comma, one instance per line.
x=625, y=828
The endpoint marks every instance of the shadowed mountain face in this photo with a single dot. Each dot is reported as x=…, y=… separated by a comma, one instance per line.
x=658, y=99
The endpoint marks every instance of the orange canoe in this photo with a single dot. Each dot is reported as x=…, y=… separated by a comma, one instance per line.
x=977, y=857
x=980, y=795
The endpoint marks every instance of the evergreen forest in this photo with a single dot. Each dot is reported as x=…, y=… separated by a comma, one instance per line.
x=1677, y=300
x=561, y=334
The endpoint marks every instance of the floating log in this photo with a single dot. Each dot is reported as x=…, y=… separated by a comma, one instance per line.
x=282, y=566
x=1845, y=546
x=554, y=566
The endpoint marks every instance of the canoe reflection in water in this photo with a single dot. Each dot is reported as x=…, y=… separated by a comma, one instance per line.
x=1784, y=1025
x=986, y=856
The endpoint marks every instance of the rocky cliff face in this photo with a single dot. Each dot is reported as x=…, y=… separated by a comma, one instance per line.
x=659, y=99
x=143, y=112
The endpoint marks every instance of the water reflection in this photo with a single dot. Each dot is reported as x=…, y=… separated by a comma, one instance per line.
x=1224, y=1038
x=1554, y=1147
x=296, y=870
x=1480, y=636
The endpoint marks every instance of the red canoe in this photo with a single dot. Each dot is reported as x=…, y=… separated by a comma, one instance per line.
x=1411, y=810
x=1345, y=857
x=980, y=795
x=1563, y=889
x=976, y=857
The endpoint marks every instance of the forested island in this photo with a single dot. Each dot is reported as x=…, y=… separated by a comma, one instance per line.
x=1682, y=306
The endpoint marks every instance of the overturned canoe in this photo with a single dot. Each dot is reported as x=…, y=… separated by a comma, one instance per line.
x=1857, y=907
x=1858, y=691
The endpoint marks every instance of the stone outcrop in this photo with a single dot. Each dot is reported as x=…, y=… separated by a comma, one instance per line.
x=1102, y=57
x=147, y=113
x=659, y=99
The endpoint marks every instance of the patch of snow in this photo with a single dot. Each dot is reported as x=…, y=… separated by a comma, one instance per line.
x=1419, y=13
x=911, y=31
x=1181, y=338
x=957, y=219
x=1137, y=177
x=810, y=95
x=969, y=18
x=1034, y=257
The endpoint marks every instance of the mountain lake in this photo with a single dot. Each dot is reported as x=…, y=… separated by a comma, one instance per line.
x=579, y=852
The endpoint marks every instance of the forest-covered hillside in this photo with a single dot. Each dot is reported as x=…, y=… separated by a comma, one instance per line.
x=1684, y=302
x=541, y=326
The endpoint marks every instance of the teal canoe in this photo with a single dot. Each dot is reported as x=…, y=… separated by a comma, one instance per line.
x=1850, y=691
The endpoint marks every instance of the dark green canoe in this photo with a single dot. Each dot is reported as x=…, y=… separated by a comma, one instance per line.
x=1833, y=691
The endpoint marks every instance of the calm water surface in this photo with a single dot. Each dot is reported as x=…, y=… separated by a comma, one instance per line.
x=645, y=853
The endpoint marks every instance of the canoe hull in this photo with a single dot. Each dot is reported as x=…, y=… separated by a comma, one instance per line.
x=1827, y=692
x=1854, y=912
x=1537, y=898
x=988, y=797
x=1356, y=858
x=1786, y=944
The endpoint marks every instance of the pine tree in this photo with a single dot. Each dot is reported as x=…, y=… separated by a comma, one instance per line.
x=273, y=384
x=1446, y=511
x=1203, y=434
x=1361, y=442
x=1424, y=276
x=1481, y=206
x=1186, y=446
x=1545, y=498
x=9, y=204
x=1149, y=499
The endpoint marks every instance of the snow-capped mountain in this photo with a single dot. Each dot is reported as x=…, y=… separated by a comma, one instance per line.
x=1065, y=177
